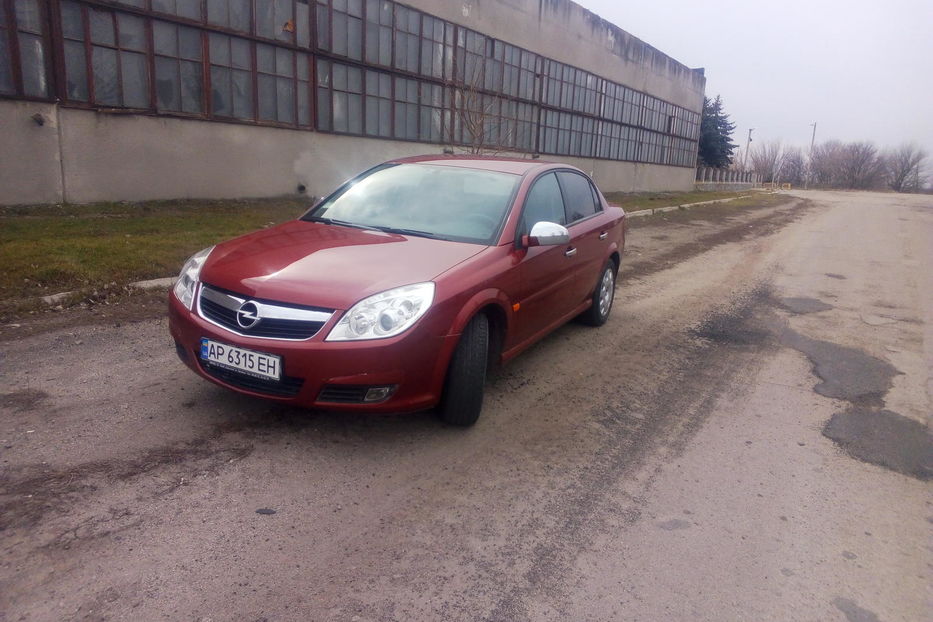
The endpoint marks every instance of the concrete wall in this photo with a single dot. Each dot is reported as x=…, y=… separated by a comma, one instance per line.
x=81, y=156
x=133, y=157
x=30, y=165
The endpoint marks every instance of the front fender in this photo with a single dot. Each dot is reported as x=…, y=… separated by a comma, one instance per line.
x=477, y=301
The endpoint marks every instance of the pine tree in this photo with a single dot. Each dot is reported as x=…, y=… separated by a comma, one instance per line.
x=716, y=129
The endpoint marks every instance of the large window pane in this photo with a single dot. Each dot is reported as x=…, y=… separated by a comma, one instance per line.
x=101, y=26
x=104, y=63
x=242, y=95
x=75, y=71
x=191, y=86
x=32, y=57
x=267, y=107
x=285, y=100
x=72, y=24
x=302, y=23
x=135, y=80
x=132, y=32
x=168, y=93
x=221, y=84
x=27, y=15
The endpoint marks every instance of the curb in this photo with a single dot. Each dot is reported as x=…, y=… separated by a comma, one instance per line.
x=163, y=283
x=671, y=208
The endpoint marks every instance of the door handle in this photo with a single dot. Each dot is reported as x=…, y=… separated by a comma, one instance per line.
x=603, y=235
x=570, y=252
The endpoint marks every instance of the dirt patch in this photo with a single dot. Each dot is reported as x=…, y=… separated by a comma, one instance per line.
x=133, y=306
x=884, y=438
x=739, y=230
x=30, y=491
x=22, y=400
x=802, y=305
x=740, y=324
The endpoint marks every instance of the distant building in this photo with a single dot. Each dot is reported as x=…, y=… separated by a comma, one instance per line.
x=153, y=99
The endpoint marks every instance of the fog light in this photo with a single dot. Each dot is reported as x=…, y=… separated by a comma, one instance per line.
x=377, y=394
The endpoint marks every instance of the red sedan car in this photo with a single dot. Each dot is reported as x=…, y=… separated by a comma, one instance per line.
x=395, y=293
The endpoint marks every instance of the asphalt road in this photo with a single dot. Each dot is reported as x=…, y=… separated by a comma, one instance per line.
x=746, y=439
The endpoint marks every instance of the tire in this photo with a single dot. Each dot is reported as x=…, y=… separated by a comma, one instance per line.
x=466, y=376
x=603, y=297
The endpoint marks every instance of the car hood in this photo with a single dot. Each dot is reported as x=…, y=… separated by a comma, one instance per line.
x=330, y=266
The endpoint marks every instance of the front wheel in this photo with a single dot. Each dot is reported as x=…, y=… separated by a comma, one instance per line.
x=463, y=390
x=598, y=312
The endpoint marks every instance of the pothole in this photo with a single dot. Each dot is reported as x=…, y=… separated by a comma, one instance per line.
x=845, y=373
x=801, y=305
x=884, y=438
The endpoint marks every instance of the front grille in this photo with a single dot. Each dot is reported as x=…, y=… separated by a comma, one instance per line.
x=343, y=394
x=285, y=387
x=276, y=320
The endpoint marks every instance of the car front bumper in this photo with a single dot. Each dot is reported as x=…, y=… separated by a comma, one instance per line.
x=327, y=375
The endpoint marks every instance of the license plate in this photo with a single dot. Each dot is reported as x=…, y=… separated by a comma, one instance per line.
x=248, y=362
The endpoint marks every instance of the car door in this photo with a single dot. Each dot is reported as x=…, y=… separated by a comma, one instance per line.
x=547, y=272
x=588, y=232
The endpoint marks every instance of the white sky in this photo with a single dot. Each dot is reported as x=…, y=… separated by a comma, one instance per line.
x=863, y=70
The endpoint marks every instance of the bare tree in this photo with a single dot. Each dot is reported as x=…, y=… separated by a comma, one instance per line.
x=862, y=168
x=856, y=165
x=768, y=160
x=795, y=166
x=483, y=121
x=826, y=164
x=904, y=168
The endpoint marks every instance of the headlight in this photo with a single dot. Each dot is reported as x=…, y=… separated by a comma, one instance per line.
x=384, y=315
x=188, y=277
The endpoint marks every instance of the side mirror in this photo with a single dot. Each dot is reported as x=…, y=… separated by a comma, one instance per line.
x=547, y=234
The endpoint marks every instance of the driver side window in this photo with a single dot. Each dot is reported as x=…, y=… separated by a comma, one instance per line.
x=544, y=202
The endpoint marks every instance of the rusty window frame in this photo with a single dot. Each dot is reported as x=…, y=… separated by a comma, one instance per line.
x=120, y=52
x=596, y=99
x=14, y=33
x=378, y=31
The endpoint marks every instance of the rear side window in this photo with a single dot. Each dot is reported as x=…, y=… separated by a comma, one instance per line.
x=543, y=203
x=578, y=196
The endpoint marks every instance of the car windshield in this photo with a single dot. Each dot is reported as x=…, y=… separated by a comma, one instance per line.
x=447, y=202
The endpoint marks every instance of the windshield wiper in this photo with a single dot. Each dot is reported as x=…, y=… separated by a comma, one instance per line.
x=342, y=223
x=415, y=232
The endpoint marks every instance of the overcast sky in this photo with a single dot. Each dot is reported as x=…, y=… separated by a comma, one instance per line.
x=862, y=70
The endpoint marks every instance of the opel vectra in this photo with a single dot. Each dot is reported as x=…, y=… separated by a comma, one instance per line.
x=396, y=292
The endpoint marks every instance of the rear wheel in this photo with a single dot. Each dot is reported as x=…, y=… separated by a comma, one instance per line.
x=463, y=390
x=603, y=297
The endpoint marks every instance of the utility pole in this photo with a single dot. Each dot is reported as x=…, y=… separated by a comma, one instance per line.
x=747, y=144
x=806, y=183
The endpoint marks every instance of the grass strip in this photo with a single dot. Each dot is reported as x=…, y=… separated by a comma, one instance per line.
x=49, y=249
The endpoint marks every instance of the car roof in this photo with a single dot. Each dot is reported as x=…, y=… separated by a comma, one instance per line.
x=515, y=166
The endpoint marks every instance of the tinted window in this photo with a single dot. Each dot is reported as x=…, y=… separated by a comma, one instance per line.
x=543, y=203
x=578, y=196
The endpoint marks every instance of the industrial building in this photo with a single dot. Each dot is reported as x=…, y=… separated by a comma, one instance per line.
x=159, y=99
